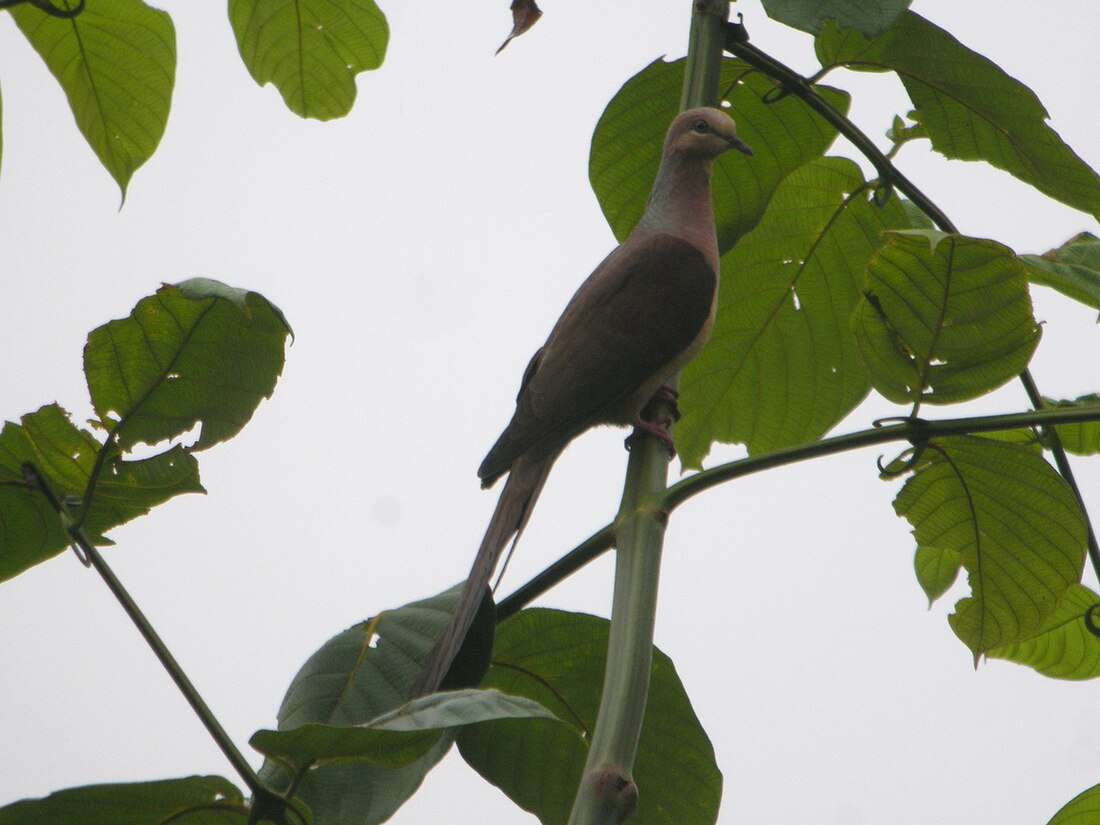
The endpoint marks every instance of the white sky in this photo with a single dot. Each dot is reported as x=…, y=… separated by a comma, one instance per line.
x=421, y=248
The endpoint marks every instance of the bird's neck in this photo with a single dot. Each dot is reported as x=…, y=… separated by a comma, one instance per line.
x=680, y=204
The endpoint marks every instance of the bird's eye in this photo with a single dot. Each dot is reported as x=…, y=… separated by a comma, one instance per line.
x=700, y=126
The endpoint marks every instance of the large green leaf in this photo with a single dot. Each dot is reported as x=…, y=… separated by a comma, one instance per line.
x=310, y=49
x=65, y=457
x=354, y=678
x=1014, y=523
x=396, y=738
x=557, y=659
x=194, y=800
x=1083, y=809
x=626, y=146
x=1073, y=269
x=944, y=318
x=868, y=16
x=970, y=108
x=781, y=367
x=197, y=352
x=116, y=61
x=1064, y=647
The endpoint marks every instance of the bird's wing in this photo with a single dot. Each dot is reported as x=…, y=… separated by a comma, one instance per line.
x=641, y=308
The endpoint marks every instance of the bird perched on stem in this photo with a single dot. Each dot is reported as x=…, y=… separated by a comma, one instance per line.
x=643, y=314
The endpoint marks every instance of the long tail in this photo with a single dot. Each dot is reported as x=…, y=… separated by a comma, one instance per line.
x=517, y=501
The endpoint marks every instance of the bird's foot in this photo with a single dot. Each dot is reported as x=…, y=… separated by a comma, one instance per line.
x=658, y=429
x=669, y=398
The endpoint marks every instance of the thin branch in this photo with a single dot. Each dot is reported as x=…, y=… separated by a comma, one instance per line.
x=915, y=431
x=79, y=538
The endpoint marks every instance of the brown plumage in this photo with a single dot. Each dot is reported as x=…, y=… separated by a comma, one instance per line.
x=636, y=320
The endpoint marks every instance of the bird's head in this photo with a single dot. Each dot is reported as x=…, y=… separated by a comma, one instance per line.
x=703, y=132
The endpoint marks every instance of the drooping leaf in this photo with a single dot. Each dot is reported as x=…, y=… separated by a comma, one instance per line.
x=557, y=659
x=1064, y=648
x=944, y=318
x=310, y=49
x=397, y=738
x=354, y=678
x=197, y=352
x=116, y=61
x=65, y=457
x=1014, y=523
x=626, y=146
x=1083, y=809
x=867, y=16
x=780, y=367
x=936, y=569
x=525, y=14
x=1083, y=438
x=1073, y=269
x=194, y=800
x=971, y=109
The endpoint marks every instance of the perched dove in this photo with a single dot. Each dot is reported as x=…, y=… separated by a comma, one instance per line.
x=642, y=315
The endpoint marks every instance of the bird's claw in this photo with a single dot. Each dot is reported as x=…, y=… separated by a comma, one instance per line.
x=658, y=429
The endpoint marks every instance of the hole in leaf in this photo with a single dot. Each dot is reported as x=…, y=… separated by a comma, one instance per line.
x=373, y=641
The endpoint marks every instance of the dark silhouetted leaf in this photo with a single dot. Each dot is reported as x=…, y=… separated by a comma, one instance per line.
x=354, y=678
x=557, y=659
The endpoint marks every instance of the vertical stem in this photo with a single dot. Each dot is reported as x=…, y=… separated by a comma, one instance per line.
x=607, y=794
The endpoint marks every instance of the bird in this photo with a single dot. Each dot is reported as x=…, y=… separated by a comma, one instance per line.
x=641, y=315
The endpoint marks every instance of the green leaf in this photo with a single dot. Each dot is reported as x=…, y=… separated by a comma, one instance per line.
x=199, y=352
x=1083, y=438
x=867, y=16
x=557, y=659
x=1083, y=809
x=781, y=367
x=354, y=678
x=398, y=737
x=116, y=61
x=65, y=457
x=936, y=569
x=971, y=109
x=194, y=800
x=1073, y=269
x=1064, y=647
x=944, y=318
x=626, y=146
x=1014, y=523
x=310, y=49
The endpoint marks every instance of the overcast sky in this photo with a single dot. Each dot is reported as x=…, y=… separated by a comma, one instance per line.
x=421, y=248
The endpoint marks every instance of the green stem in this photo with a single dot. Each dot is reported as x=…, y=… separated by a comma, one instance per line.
x=912, y=431
x=737, y=44
x=607, y=794
x=261, y=795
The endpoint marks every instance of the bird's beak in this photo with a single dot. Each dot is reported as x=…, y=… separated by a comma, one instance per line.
x=739, y=145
